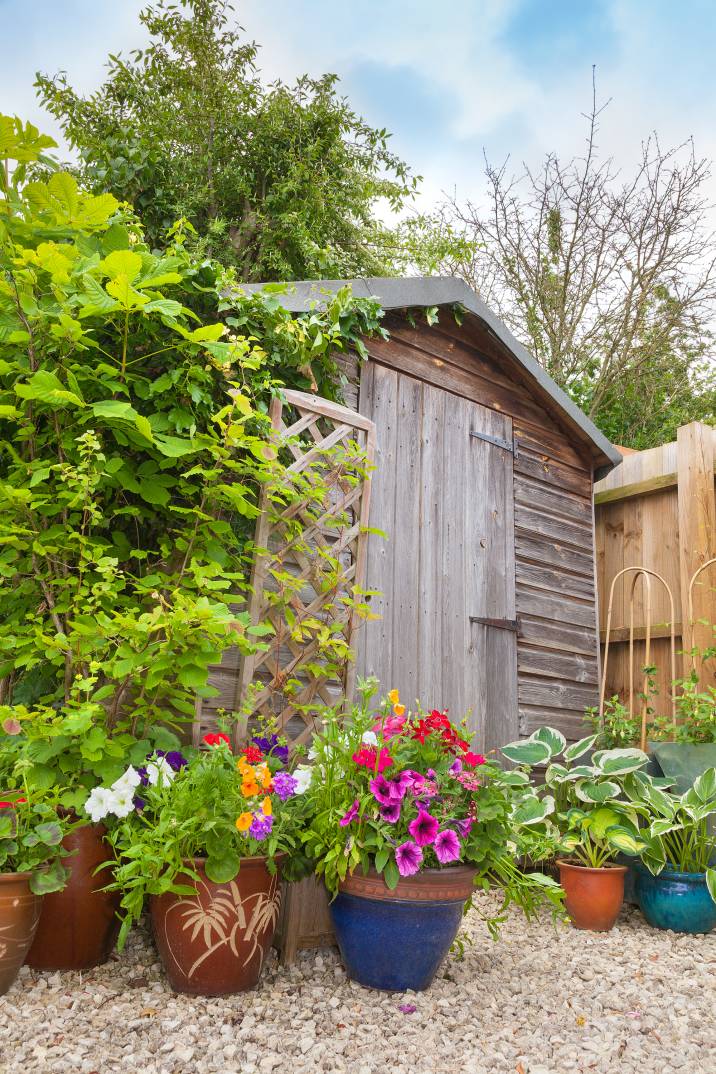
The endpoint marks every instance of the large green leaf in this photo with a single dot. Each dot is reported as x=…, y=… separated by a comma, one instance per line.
x=602, y=819
x=533, y=810
x=551, y=737
x=46, y=387
x=592, y=790
x=619, y=762
x=118, y=410
x=529, y=751
x=625, y=840
x=578, y=749
x=222, y=868
x=705, y=785
x=122, y=263
x=711, y=882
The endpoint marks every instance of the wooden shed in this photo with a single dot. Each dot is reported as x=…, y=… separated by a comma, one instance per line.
x=483, y=486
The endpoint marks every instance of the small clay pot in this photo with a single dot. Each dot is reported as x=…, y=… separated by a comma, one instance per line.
x=79, y=925
x=214, y=943
x=593, y=897
x=19, y=916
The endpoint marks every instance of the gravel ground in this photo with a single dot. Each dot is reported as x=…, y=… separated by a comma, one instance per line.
x=544, y=1000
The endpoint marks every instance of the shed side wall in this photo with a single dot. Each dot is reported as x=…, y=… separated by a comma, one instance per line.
x=554, y=534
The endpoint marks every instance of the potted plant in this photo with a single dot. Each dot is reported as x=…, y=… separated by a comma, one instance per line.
x=63, y=752
x=596, y=819
x=31, y=865
x=692, y=734
x=676, y=881
x=405, y=820
x=207, y=844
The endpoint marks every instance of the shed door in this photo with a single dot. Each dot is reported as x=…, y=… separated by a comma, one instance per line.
x=444, y=499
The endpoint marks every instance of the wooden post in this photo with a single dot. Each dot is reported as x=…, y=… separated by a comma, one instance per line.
x=697, y=534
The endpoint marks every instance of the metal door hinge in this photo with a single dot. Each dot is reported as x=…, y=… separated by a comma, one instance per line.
x=496, y=440
x=512, y=625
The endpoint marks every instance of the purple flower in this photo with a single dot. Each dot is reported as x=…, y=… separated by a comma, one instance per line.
x=269, y=744
x=261, y=826
x=408, y=858
x=456, y=766
x=139, y=804
x=174, y=758
x=285, y=785
x=465, y=826
x=407, y=1008
x=391, y=812
x=446, y=846
x=350, y=815
x=381, y=789
x=143, y=777
x=424, y=828
x=432, y=774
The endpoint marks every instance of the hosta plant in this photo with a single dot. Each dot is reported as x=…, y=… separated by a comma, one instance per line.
x=596, y=818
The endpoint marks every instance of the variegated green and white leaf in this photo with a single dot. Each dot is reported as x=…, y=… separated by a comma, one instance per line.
x=551, y=737
x=578, y=749
x=527, y=751
x=533, y=810
x=625, y=840
x=705, y=786
x=591, y=790
x=619, y=762
x=711, y=882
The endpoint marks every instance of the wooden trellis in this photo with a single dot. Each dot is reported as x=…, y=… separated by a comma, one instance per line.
x=319, y=542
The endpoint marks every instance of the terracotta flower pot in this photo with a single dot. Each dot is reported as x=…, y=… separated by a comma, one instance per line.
x=19, y=915
x=215, y=942
x=79, y=925
x=396, y=940
x=594, y=897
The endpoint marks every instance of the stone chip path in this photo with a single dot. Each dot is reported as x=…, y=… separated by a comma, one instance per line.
x=544, y=1000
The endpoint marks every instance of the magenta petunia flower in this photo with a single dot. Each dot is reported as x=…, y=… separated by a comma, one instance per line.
x=381, y=790
x=424, y=828
x=465, y=826
x=349, y=815
x=391, y=812
x=456, y=766
x=446, y=846
x=408, y=858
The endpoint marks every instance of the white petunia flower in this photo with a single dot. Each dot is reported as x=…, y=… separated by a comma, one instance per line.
x=370, y=738
x=122, y=802
x=160, y=768
x=99, y=804
x=129, y=781
x=303, y=775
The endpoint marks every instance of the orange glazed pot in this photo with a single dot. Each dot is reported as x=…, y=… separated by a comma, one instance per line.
x=594, y=897
x=215, y=942
x=19, y=915
x=79, y=925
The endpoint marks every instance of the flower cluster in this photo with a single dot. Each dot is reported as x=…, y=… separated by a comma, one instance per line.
x=123, y=796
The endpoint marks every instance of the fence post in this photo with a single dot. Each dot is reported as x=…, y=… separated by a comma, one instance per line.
x=697, y=532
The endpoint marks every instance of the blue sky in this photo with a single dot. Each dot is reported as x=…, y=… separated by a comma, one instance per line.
x=450, y=80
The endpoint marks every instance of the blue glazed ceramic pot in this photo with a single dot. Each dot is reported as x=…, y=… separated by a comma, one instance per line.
x=676, y=901
x=396, y=940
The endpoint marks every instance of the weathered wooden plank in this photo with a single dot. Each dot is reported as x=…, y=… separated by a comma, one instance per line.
x=551, y=553
x=697, y=540
x=572, y=724
x=563, y=609
x=551, y=471
x=556, y=693
x=554, y=501
x=576, y=667
x=555, y=580
x=637, y=488
x=434, y=557
x=554, y=634
x=541, y=438
x=405, y=538
x=531, y=521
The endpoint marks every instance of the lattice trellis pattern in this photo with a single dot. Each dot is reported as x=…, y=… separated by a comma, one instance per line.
x=315, y=556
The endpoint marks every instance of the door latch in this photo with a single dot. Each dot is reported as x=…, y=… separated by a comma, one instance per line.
x=513, y=625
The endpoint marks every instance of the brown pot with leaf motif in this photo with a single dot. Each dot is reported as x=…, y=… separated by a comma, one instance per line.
x=215, y=942
x=79, y=925
x=19, y=915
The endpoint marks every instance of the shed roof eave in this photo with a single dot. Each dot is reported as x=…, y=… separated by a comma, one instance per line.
x=416, y=291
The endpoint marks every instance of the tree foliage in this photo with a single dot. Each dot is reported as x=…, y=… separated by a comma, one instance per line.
x=609, y=281
x=279, y=181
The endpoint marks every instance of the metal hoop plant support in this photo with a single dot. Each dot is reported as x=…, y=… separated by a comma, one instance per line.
x=690, y=607
x=646, y=575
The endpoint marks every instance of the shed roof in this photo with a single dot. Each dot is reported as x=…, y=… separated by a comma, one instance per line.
x=412, y=292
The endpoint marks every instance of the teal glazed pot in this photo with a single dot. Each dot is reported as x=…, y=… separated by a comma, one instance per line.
x=396, y=941
x=676, y=901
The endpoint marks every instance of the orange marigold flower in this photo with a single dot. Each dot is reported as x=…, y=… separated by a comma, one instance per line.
x=394, y=697
x=399, y=710
x=266, y=807
x=243, y=823
x=249, y=788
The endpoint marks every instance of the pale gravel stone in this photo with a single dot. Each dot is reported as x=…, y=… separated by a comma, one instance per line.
x=545, y=1000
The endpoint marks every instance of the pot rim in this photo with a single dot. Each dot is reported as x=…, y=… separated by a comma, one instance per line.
x=610, y=866
x=8, y=878
x=673, y=874
x=249, y=859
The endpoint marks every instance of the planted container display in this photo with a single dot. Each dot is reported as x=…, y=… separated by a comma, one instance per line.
x=676, y=884
x=405, y=821
x=597, y=821
x=31, y=865
x=206, y=848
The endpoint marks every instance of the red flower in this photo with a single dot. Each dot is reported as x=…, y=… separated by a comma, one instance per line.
x=253, y=754
x=421, y=730
x=474, y=759
x=5, y=805
x=368, y=756
x=438, y=720
x=215, y=739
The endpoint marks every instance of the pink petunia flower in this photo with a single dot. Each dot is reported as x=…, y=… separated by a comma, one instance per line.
x=368, y=756
x=381, y=790
x=446, y=846
x=391, y=812
x=424, y=828
x=408, y=858
x=391, y=727
x=349, y=815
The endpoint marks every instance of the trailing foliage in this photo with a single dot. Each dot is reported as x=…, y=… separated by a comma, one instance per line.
x=133, y=443
x=280, y=181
